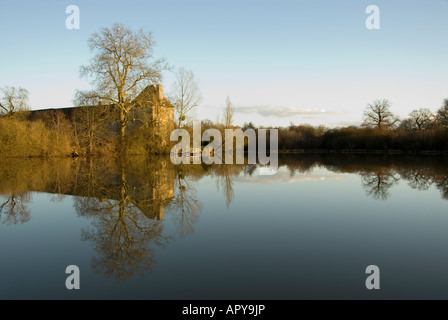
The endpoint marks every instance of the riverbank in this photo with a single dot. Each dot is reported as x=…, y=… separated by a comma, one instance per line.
x=365, y=151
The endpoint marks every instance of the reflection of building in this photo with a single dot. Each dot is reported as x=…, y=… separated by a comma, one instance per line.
x=147, y=186
x=151, y=201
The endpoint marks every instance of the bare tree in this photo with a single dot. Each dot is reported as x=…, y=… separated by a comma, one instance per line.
x=421, y=119
x=185, y=95
x=90, y=117
x=377, y=183
x=378, y=114
x=442, y=114
x=417, y=178
x=123, y=229
x=57, y=120
x=228, y=113
x=122, y=66
x=13, y=100
x=14, y=210
x=407, y=124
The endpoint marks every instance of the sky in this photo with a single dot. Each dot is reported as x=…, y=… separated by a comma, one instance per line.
x=280, y=62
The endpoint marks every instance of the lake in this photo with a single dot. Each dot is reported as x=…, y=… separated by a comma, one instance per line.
x=142, y=228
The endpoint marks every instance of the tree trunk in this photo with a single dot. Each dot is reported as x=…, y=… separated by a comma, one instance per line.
x=90, y=145
x=122, y=132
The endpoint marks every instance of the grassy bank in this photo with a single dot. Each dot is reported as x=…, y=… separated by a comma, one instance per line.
x=20, y=138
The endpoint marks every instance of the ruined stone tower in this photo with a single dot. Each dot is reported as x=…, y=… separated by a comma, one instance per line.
x=160, y=109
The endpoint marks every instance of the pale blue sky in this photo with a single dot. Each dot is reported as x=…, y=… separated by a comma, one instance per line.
x=279, y=61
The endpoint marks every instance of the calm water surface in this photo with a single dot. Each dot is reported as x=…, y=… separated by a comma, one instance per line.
x=145, y=229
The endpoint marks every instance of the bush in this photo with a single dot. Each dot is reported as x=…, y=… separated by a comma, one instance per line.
x=30, y=139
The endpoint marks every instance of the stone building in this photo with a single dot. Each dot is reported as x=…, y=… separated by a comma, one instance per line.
x=161, y=111
x=150, y=105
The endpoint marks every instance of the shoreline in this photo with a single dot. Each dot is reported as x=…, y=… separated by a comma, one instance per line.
x=282, y=152
x=364, y=151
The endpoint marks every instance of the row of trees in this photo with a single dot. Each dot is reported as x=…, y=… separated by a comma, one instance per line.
x=381, y=130
x=379, y=115
x=89, y=131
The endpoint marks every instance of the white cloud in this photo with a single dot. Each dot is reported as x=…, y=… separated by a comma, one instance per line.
x=344, y=124
x=285, y=112
x=284, y=176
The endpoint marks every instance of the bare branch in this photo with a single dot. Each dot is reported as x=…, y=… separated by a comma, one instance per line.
x=13, y=100
x=185, y=95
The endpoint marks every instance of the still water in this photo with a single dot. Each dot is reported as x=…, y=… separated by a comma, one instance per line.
x=145, y=229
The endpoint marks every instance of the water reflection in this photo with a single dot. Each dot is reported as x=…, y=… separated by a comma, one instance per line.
x=151, y=186
x=125, y=215
x=378, y=173
x=225, y=174
x=185, y=206
x=377, y=184
x=14, y=209
x=127, y=200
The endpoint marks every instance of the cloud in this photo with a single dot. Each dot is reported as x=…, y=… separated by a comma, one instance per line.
x=285, y=112
x=283, y=175
x=344, y=124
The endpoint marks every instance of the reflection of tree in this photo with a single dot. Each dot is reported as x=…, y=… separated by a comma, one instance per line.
x=378, y=172
x=441, y=182
x=123, y=237
x=424, y=175
x=249, y=169
x=419, y=178
x=377, y=184
x=122, y=231
x=224, y=180
x=298, y=164
x=185, y=207
x=14, y=209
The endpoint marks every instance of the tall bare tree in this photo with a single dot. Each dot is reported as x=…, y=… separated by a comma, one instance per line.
x=421, y=119
x=89, y=118
x=442, y=114
x=13, y=100
x=122, y=66
x=185, y=95
x=228, y=113
x=378, y=114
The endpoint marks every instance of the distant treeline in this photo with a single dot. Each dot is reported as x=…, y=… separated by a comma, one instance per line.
x=356, y=138
x=94, y=131
x=381, y=131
